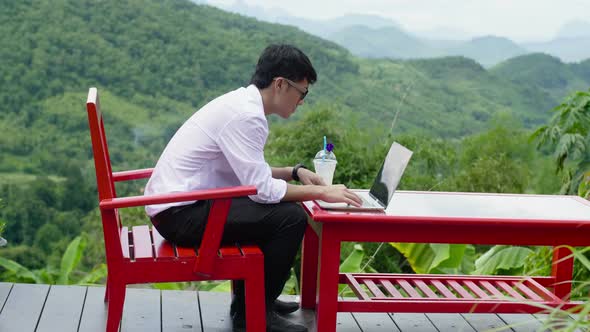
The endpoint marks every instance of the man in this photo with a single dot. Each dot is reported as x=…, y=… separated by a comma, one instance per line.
x=223, y=145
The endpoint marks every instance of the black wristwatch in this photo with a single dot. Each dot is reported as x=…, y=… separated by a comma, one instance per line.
x=295, y=169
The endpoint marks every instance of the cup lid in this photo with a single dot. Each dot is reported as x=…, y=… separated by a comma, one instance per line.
x=323, y=154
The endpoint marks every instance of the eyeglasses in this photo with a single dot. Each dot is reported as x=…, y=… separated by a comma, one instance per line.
x=297, y=87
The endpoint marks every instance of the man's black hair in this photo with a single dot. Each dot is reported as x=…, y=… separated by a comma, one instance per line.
x=282, y=61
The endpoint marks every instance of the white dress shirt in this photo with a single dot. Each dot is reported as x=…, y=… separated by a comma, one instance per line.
x=221, y=145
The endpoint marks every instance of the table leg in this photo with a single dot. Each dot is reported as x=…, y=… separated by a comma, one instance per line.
x=327, y=301
x=309, y=269
x=563, y=271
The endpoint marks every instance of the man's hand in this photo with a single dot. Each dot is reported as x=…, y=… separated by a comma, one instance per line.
x=308, y=177
x=339, y=193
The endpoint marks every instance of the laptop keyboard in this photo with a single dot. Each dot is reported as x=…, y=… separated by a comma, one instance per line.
x=366, y=202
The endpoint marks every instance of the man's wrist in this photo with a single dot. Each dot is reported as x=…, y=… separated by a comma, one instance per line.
x=296, y=168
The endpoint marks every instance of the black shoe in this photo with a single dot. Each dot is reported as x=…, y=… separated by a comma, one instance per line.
x=274, y=323
x=281, y=307
x=284, y=308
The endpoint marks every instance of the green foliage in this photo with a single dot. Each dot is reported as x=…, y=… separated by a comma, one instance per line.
x=67, y=273
x=502, y=259
x=438, y=258
x=567, y=136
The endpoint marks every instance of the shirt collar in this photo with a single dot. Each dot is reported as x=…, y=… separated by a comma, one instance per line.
x=255, y=96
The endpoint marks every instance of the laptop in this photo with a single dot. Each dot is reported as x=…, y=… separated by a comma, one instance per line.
x=384, y=184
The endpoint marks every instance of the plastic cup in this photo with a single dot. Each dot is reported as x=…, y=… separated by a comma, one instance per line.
x=325, y=169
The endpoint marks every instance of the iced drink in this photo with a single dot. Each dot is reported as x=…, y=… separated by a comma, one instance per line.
x=325, y=169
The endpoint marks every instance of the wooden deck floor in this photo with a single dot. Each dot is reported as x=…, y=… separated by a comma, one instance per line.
x=44, y=308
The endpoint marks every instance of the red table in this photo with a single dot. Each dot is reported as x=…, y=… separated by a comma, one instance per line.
x=442, y=217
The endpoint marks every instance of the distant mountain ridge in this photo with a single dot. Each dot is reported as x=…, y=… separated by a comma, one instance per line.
x=377, y=37
x=157, y=61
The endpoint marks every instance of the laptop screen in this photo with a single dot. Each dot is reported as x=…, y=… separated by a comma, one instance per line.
x=390, y=173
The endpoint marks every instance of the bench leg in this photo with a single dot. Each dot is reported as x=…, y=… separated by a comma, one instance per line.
x=563, y=271
x=309, y=269
x=255, y=298
x=327, y=301
x=115, y=305
x=106, y=290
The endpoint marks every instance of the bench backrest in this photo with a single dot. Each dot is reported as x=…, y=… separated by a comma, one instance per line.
x=104, y=176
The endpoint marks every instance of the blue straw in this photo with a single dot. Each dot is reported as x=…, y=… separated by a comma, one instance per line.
x=324, y=155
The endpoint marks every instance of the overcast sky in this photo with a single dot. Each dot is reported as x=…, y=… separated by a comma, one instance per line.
x=521, y=20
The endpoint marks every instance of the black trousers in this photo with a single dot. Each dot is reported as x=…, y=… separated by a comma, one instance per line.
x=276, y=228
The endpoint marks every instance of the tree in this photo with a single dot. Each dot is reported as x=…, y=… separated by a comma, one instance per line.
x=566, y=136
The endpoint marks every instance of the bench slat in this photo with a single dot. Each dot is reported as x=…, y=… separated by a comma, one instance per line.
x=230, y=251
x=425, y=289
x=490, y=288
x=185, y=252
x=162, y=248
x=250, y=249
x=510, y=290
x=443, y=289
x=125, y=242
x=142, y=242
x=478, y=291
x=409, y=289
x=459, y=289
x=373, y=288
x=532, y=295
x=391, y=288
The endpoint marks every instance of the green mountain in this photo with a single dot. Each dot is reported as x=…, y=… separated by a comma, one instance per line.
x=391, y=42
x=160, y=60
x=545, y=72
x=487, y=50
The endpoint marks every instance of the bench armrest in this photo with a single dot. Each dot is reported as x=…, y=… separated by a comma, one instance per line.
x=132, y=175
x=132, y=201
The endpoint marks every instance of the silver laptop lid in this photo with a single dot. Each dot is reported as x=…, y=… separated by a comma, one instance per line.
x=390, y=173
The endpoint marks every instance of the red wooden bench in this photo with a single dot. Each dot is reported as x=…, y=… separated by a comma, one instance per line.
x=139, y=254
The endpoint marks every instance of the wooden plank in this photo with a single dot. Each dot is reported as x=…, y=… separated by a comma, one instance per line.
x=184, y=252
x=411, y=322
x=425, y=289
x=141, y=311
x=94, y=314
x=345, y=322
x=513, y=293
x=450, y=322
x=478, y=291
x=443, y=289
x=558, y=323
x=372, y=321
x=215, y=311
x=391, y=289
x=409, y=289
x=63, y=309
x=24, y=301
x=373, y=288
x=490, y=288
x=459, y=289
x=180, y=311
x=527, y=291
x=142, y=243
x=125, y=242
x=483, y=322
x=521, y=322
x=162, y=248
x=5, y=288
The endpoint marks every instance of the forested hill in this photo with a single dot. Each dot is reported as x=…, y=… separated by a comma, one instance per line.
x=159, y=60
x=156, y=61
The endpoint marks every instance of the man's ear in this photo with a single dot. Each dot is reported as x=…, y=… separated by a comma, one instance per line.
x=278, y=84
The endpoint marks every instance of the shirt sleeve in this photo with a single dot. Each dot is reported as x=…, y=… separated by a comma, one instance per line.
x=242, y=143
